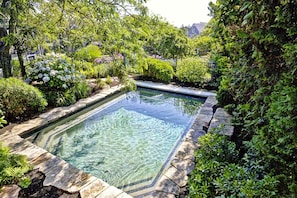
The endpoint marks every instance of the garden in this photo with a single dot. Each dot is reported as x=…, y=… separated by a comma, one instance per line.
x=247, y=53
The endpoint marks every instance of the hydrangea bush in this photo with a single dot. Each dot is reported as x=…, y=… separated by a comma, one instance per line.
x=53, y=73
x=58, y=80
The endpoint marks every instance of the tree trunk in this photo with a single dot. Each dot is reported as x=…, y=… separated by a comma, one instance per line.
x=21, y=60
x=5, y=57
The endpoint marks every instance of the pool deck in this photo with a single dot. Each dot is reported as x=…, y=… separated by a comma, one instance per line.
x=70, y=179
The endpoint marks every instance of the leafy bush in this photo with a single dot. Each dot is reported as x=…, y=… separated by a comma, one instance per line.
x=158, y=70
x=58, y=80
x=192, y=70
x=91, y=70
x=280, y=132
x=12, y=168
x=88, y=53
x=218, y=174
x=19, y=100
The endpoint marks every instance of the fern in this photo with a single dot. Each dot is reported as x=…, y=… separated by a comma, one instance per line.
x=12, y=167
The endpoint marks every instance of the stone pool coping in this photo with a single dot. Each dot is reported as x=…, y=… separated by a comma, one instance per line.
x=70, y=179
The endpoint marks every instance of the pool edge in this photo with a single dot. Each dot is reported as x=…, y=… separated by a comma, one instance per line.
x=172, y=180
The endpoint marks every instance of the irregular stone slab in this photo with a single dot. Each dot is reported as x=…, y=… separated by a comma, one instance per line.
x=111, y=192
x=193, y=135
x=186, y=150
x=177, y=176
x=93, y=189
x=45, y=162
x=28, y=149
x=5, y=135
x=222, y=122
x=203, y=119
x=64, y=176
x=206, y=110
x=10, y=191
x=184, y=165
x=80, y=180
x=211, y=101
x=167, y=186
x=23, y=128
x=50, y=113
x=13, y=141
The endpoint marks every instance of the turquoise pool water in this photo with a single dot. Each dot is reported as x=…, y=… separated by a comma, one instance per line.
x=126, y=142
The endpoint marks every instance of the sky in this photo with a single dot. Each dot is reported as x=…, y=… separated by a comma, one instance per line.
x=181, y=12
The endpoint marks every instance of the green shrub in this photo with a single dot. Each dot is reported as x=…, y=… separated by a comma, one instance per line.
x=192, y=70
x=58, y=80
x=81, y=90
x=19, y=100
x=218, y=173
x=88, y=53
x=224, y=94
x=158, y=70
x=12, y=168
x=275, y=143
x=91, y=70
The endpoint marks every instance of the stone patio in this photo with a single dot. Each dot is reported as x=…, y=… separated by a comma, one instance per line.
x=62, y=175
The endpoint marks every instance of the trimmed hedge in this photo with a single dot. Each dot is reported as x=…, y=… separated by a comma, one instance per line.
x=18, y=100
x=158, y=70
x=192, y=70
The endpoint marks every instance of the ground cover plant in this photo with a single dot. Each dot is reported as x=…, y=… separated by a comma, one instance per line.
x=13, y=168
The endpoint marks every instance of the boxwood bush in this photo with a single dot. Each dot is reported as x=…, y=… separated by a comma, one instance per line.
x=158, y=70
x=192, y=70
x=18, y=100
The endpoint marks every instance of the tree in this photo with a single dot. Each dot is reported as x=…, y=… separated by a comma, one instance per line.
x=257, y=43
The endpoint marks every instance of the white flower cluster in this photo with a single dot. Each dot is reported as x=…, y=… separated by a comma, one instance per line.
x=53, y=72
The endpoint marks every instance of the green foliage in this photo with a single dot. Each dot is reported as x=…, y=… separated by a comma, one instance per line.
x=24, y=182
x=16, y=69
x=2, y=119
x=202, y=45
x=88, y=53
x=158, y=70
x=58, y=80
x=13, y=167
x=109, y=80
x=280, y=132
x=217, y=173
x=91, y=70
x=255, y=54
x=18, y=100
x=192, y=70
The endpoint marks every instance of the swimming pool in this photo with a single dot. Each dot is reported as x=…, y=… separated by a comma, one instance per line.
x=128, y=141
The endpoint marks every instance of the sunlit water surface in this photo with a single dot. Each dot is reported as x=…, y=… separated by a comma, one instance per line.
x=128, y=142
